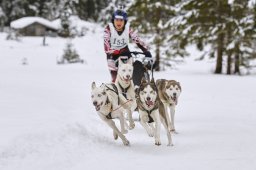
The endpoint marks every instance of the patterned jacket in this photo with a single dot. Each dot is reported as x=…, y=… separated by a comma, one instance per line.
x=132, y=35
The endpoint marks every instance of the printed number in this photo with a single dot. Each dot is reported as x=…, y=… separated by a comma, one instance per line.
x=119, y=42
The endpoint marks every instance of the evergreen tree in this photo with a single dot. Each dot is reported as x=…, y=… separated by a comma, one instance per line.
x=227, y=27
x=106, y=13
x=14, y=9
x=2, y=19
x=90, y=9
x=150, y=17
x=66, y=12
x=70, y=54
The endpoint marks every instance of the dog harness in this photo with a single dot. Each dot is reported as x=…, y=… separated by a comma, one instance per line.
x=148, y=111
x=107, y=102
x=124, y=90
x=115, y=90
x=108, y=116
x=149, y=114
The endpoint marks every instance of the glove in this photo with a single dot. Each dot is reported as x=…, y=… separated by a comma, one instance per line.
x=148, y=54
x=112, y=65
x=115, y=52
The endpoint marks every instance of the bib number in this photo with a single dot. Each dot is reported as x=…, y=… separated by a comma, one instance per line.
x=119, y=42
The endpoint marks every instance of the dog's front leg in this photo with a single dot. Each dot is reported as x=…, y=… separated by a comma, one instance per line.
x=111, y=123
x=168, y=116
x=167, y=131
x=143, y=121
x=172, y=111
x=156, y=118
x=122, y=122
x=131, y=121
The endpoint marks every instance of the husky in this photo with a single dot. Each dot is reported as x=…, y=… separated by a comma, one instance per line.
x=125, y=86
x=151, y=111
x=109, y=105
x=169, y=92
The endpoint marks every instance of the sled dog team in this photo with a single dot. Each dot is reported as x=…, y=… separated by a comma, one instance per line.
x=155, y=102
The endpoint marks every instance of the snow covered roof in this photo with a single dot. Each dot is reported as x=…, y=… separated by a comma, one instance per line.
x=25, y=21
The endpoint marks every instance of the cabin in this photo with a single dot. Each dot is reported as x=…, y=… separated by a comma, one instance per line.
x=34, y=26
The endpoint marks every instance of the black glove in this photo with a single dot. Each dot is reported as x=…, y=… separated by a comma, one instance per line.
x=148, y=54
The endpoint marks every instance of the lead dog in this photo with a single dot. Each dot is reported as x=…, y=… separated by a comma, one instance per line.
x=169, y=92
x=125, y=87
x=108, y=104
x=152, y=111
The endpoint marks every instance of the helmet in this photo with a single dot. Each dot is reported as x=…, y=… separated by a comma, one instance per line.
x=119, y=14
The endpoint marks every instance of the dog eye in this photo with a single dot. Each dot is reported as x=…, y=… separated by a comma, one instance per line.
x=170, y=88
x=152, y=92
x=177, y=89
x=92, y=96
x=123, y=70
x=99, y=95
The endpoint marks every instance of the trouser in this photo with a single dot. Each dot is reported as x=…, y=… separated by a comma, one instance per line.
x=138, y=73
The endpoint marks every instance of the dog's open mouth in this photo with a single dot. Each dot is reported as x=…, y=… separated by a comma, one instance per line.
x=174, y=98
x=127, y=80
x=97, y=107
x=149, y=103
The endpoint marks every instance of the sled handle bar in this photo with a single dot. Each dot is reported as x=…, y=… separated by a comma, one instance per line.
x=136, y=53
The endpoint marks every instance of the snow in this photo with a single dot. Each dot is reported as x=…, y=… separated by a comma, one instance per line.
x=25, y=21
x=78, y=24
x=230, y=2
x=48, y=121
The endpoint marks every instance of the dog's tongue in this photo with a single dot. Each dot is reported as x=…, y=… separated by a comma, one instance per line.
x=126, y=80
x=149, y=103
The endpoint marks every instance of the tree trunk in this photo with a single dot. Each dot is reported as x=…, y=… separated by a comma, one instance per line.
x=237, y=59
x=229, y=39
x=218, y=69
x=157, y=62
x=229, y=62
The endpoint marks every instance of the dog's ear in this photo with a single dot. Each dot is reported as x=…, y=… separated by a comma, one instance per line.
x=143, y=80
x=179, y=85
x=93, y=85
x=129, y=61
x=152, y=80
x=120, y=61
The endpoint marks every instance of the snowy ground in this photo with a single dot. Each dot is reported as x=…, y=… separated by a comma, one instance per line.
x=48, y=122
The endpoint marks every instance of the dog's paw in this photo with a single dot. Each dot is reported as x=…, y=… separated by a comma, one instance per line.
x=126, y=142
x=157, y=142
x=173, y=131
x=170, y=144
x=150, y=133
x=115, y=136
x=131, y=125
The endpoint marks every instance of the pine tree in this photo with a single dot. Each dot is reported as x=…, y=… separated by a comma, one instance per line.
x=90, y=9
x=150, y=17
x=66, y=12
x=2, y=19
x=70, y=55
x=14, y=9
x=106, y=13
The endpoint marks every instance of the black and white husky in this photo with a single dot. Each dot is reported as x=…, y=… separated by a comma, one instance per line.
x=125, y=87
x=109, y=105
x=152, y=111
